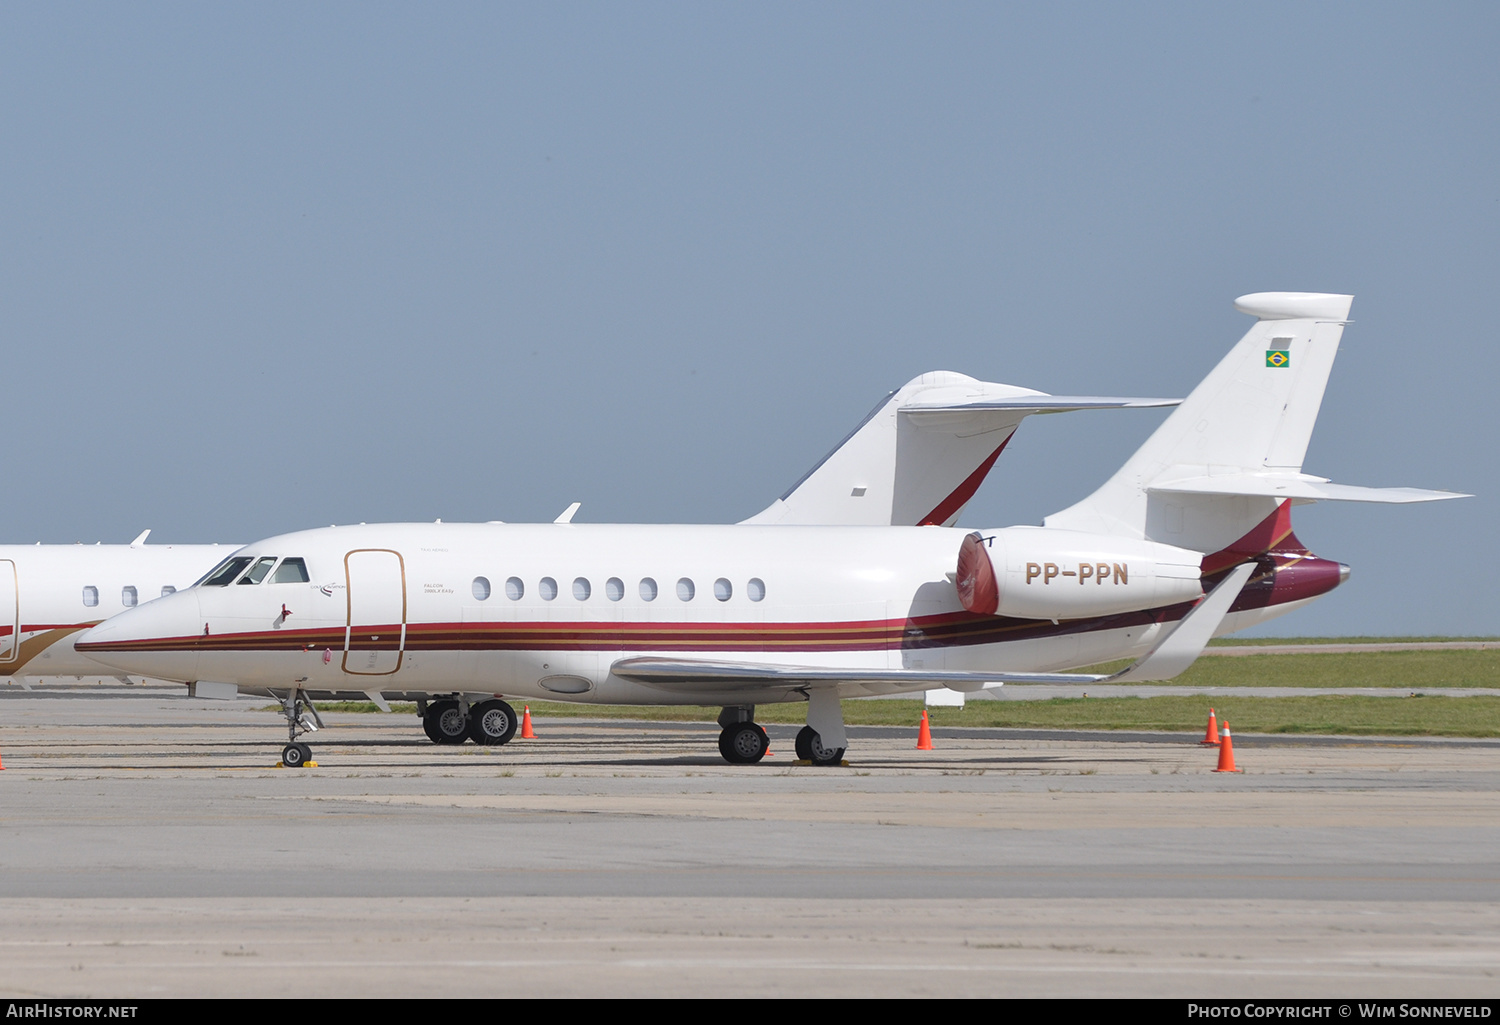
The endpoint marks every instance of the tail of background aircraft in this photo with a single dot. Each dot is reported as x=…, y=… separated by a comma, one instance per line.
x=1216, y=475
x=921, y=453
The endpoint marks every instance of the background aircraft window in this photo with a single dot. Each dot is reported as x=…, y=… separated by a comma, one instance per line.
x=514, y=589
x=614, y=587
x=128, y=596
x=230, y=569
x=723, y=589
x=547, y=588
x=167, y=589
x=755, y=589
x=685, y=589
x=259, y=570
x=291, y=571
x=582, y=589
x=481, y=588
x=91, y=595
x=648, y=589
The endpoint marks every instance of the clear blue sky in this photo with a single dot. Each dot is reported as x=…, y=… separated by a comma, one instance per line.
x=271, y=266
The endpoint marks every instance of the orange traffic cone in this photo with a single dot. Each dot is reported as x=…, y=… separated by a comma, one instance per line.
x=1226, y=752
x=1211, y=738
x=924, y=734
x=526, y=733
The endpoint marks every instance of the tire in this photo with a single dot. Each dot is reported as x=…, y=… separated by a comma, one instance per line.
x=820, y=755
x=429, y=727
x=804, y=743
x=744, y=743
x=295, y=756
x=492, y=722
x=449, y=724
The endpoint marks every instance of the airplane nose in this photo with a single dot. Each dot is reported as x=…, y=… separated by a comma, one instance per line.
x=157, y=639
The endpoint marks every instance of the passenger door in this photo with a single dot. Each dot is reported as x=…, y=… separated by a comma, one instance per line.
x=375, y=637
x=10, y=614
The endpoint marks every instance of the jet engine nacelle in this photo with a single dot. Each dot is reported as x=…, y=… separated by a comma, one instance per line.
x=1044, y=573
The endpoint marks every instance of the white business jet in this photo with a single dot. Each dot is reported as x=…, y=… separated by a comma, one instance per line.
x=1191, y=538
x=50, y=594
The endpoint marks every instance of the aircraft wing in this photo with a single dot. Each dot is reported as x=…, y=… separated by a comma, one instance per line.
x=685, y=675
x=1168, y=658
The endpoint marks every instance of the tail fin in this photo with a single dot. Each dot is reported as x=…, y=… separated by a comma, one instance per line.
x=1232, y=452
x=921, y=453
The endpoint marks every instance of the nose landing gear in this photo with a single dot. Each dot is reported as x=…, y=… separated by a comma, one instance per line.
x=301, y=717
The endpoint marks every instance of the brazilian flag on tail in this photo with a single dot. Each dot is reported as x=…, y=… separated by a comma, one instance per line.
x=1278, y=357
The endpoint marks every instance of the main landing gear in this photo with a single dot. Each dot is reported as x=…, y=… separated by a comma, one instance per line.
x=744, y=741
x=301, y=717
x=454, y=720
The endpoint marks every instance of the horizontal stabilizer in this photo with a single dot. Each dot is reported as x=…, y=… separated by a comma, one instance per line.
x=1041, y=404
x=1298, y=486
x=922, y=453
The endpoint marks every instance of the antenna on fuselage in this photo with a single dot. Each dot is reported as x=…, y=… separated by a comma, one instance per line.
x=567, y=514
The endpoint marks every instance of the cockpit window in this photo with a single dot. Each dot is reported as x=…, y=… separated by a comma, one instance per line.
x=227, y=571
x=259, y=570
x=291, y=571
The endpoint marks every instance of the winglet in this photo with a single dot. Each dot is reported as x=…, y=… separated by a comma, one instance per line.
x=140, y=540
x=1181, y=648
x=567, y=514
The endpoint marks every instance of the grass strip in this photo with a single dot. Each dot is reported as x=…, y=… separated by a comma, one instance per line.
x=1232, y=641
x=1405, y=670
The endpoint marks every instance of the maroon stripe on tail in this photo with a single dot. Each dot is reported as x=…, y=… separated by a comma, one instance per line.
x=949, y=507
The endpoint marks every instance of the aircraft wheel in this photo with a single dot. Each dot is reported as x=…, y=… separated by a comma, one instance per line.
x=820, y=755
x=744, y=743
x=449, y=724
x=492, y=722
x=295, y=756
x=429, y=727
x=804, y=743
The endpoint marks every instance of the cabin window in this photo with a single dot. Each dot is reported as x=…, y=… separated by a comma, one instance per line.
x=481, y=588
x=547, y=588
x=614, y=588
x=514, y=589
x=723, y=589
x=128, y=597
x=227, y=571
x=755, y=590
x=685, y=589
x=582, y=589
x=259, y=570
x=648, y=589
x=90, y=595
x=291, y=571
x=167, y=589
